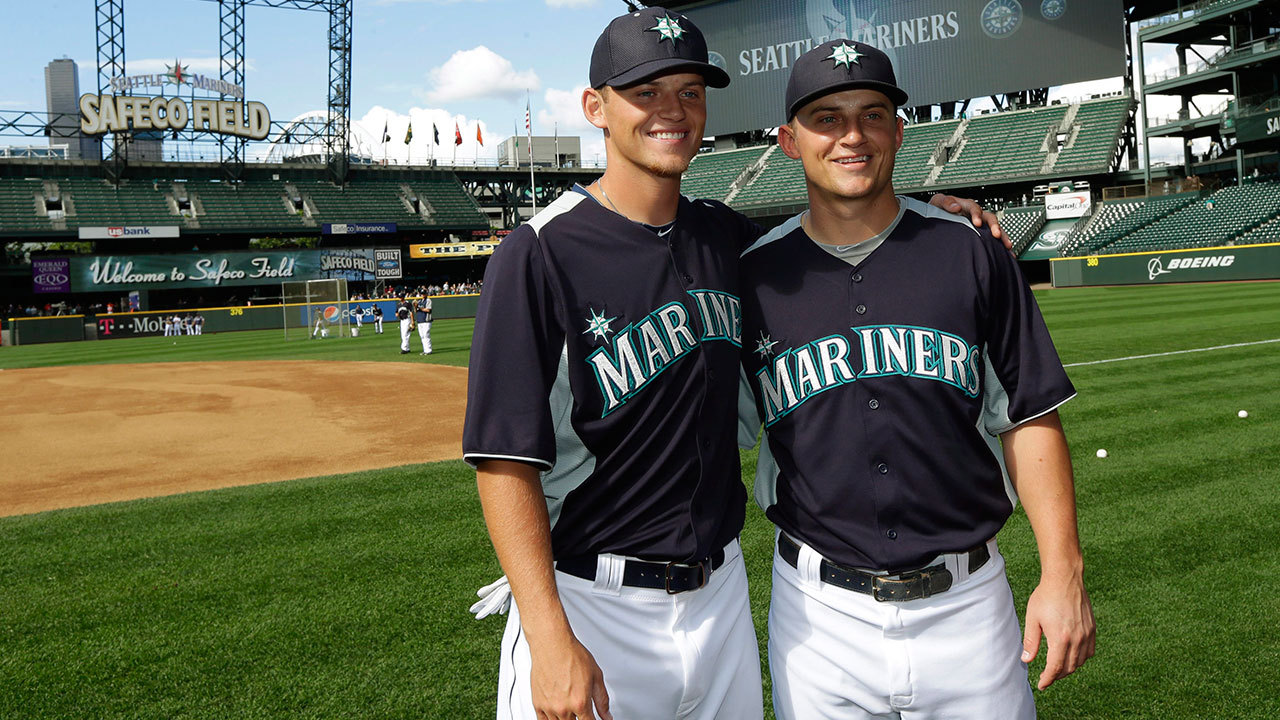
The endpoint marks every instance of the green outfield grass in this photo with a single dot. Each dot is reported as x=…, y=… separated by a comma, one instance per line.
x=347, y=596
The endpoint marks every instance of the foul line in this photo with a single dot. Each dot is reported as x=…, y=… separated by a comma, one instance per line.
x=1175, y=352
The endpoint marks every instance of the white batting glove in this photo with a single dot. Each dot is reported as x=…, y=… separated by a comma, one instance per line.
x=495, y=598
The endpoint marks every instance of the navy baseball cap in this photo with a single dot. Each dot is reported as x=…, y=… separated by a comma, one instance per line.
x=838, y=65
x=649, y=42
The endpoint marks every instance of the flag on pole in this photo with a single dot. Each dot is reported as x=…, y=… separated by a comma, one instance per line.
x=408, y=135
x=479, y=137
x=435, y=132
x=386, y=136
x=457, y=134
x=528, y=127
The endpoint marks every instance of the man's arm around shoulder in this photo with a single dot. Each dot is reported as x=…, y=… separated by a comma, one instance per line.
x=566, y=681
x=1039, y=465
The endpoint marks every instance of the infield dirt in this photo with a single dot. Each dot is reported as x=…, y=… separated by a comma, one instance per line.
x=102, y=433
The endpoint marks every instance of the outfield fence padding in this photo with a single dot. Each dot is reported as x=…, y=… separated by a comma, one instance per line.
x=1239, y=262
x=28, y=331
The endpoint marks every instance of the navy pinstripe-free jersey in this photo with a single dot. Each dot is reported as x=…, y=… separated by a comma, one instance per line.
x=883, y=386
x=607, y=355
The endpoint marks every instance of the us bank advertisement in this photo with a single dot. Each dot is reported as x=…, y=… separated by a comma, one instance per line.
x=942, y=50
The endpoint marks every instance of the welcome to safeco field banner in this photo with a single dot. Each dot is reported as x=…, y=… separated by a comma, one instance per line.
x=154, y=272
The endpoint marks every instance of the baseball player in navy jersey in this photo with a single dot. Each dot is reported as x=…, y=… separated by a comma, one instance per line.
x=908, y=390
x=601, y=414
x=422, y=314
x=404, y=313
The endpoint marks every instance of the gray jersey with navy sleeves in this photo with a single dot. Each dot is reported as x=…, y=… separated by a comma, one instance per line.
x=607, y=355
x=883, y=384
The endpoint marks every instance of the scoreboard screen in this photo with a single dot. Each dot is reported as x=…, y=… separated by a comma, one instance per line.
x=942, y=50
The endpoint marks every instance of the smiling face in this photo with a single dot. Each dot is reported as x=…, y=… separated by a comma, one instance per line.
x=847, y=141
x=655, y=126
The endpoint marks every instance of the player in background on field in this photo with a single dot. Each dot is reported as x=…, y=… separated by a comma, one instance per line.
x=601, y=414
x=404, y=313
x=422, y=314
x=909, y=391
x=377, y=318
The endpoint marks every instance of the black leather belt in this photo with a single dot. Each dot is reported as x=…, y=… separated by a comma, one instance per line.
x=674, y=577
x=885, y=588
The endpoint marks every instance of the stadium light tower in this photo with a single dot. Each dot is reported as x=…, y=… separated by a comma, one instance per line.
x=109, y=16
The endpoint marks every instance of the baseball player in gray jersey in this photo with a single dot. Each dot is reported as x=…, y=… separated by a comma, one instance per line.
x=931, y=363
x=601, y=414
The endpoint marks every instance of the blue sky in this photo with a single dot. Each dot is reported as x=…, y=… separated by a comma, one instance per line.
x=468, y=62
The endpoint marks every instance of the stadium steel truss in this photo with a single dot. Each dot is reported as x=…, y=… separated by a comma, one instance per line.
x=109, y=17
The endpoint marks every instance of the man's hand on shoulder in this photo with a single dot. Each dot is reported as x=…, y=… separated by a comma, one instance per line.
x=978, y=216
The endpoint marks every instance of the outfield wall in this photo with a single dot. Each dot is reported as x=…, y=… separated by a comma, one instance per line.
x=1238, y=262
x=69, y=328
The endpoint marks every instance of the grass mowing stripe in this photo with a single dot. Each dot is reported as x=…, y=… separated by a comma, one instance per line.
x=1171, y=352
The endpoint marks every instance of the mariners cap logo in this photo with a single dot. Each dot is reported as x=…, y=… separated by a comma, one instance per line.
x=668, y=28
x=845, y=54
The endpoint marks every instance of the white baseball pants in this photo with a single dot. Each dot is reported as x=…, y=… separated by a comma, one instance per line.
x=690, y=656
x=839, y=655
x=424, y=334
x=405, y=332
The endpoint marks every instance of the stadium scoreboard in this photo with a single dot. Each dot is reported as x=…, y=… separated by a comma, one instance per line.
x=942, y=50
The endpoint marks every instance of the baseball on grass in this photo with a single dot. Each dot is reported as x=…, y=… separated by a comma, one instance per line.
x=1243, y=414
x=1102, y=452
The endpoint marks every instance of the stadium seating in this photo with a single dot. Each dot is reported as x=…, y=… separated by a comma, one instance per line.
x=912, y=166
x=1126, y=222
x=18, y=203
x=1093, y=136
x=1104, y=216
x=710, y=175
x=449, y=203
x=94, y=202
x=1214, y=220
x=781, y=182
x=1002, y=145
x=1268, y=232
x=251, y=205
x=1022, y=225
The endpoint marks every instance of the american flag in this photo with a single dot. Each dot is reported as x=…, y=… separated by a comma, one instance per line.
x=528, y=129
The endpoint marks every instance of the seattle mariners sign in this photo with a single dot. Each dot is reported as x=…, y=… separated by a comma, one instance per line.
x=942, y=49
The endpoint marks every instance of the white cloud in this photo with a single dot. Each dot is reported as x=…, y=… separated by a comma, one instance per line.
x=562, y=114
x=421, y=149
x=479, y=73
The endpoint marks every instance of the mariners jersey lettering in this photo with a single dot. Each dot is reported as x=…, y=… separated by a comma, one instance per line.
x=797, y=375
x=883, y=386
x=606, y=353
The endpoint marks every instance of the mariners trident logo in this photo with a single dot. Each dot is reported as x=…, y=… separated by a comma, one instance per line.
x=668, y=28
x=845, y=54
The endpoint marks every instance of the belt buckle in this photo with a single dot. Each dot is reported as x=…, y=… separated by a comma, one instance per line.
x=702, y=579
x=899, y=589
